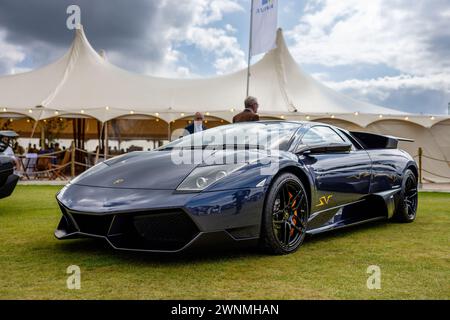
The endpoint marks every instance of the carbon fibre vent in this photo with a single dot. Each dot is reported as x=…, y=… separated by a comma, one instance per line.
x=167, y=229
x=93, y=224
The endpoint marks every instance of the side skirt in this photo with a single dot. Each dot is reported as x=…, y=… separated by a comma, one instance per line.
x=340, y=225
x=378, y=206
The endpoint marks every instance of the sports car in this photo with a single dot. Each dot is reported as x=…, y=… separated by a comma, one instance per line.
x=265, y=183
x=8, y=179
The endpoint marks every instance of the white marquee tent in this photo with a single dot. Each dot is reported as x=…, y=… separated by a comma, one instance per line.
x=84, y=84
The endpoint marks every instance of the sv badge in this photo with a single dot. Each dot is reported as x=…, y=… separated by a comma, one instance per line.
x=324, y=200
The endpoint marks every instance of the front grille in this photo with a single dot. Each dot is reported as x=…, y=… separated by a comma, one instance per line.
x=154, y=230
x=168, y=226
x=92, y=224
x=167, y=230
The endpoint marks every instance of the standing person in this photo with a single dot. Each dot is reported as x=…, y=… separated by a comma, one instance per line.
x=250, y=111
x=197, y=125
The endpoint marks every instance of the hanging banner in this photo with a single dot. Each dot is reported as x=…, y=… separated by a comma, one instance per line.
x=264, y=25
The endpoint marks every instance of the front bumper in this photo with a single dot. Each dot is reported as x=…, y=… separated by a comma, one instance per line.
x=160, y=220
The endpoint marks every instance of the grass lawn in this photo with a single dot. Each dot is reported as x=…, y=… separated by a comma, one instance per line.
x=414, y=261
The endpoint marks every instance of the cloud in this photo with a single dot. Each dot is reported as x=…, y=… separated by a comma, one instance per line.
x=421, y=94
x=394, y=33
x=413, y=39
x=228, y=54
x=10, y=55
x=142, y=35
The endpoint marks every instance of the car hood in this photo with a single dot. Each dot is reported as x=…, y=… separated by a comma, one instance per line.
x=157, y=170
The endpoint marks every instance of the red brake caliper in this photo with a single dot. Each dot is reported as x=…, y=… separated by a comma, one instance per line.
x=294, y=221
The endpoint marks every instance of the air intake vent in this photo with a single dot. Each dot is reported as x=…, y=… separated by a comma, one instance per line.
x=167, y=230
x=93, y=224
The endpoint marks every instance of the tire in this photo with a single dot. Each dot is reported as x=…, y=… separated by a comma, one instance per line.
x=406, y=208
x=285, y=215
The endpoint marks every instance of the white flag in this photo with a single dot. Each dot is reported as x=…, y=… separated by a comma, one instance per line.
x=264, y=25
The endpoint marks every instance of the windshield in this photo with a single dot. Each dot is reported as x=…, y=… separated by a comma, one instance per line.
x=250, y=135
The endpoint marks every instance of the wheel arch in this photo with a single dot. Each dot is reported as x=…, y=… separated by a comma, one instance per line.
x=414, y=169
x=299, y=173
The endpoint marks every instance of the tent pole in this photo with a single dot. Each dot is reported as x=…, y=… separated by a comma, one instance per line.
x=168, y=131
x=42, y=136
x=97, y=154
x=249, y=49
x=34, y=128
x=106, y=139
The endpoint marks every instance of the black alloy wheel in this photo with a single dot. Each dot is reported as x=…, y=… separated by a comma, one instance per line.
x=285, y=215
x=407, y=204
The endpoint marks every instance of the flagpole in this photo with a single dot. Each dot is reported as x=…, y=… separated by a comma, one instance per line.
x=249, y=48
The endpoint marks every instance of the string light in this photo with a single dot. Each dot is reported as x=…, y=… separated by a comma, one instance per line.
x=432, y=118
x=406, y=118
x=30, y=111
x=308, y=117
x=232, y=110
x=107, y=108
x=56, y=112
x=131, y=112
x=356, y=113
x=380, y=116
x=82, y=111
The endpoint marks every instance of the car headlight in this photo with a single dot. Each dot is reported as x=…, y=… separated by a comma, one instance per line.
x=202, y=177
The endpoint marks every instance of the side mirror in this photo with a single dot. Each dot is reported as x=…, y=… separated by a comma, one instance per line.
x=325, y=148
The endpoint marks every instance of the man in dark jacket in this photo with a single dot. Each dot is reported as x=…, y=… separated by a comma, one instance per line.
x=197, y=125
x=250, y=111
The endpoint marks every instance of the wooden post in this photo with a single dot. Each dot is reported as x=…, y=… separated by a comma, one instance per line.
x=72, y=159
x=42, y=142
x=106, y=140
x=169, y=133
x=420, y=153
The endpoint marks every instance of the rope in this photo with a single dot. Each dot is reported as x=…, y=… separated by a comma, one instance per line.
x=434, y=174
x=43, y=154
x=94, y=154
x=431, y=158
x=45, y=171
x=435, y=159
x=83, y=164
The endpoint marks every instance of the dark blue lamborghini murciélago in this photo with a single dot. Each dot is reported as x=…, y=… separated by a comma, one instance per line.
x=268, y=183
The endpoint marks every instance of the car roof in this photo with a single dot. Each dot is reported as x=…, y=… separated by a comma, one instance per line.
x=299, y=123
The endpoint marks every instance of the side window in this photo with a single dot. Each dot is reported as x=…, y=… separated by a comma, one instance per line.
x=349, y=139
x=321, y=134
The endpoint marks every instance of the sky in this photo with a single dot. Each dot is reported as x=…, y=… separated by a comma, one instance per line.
x=394, y=53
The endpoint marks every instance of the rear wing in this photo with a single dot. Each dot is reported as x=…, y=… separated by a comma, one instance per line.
x=377, y=141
